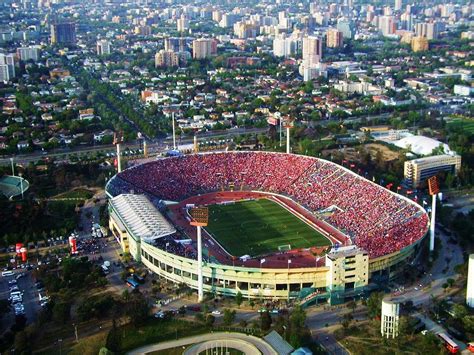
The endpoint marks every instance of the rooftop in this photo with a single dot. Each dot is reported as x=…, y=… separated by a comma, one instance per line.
x=141, y=217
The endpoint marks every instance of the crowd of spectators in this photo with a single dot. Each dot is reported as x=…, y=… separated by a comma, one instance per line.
x=172, y=245
x=374, y=218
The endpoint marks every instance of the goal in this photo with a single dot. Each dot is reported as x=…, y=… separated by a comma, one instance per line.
x=286, y=247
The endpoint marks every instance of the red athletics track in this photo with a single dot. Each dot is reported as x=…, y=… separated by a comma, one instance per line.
x=299, y=257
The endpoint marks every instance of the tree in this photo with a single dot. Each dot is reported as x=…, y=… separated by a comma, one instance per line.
x=210, y=319
x=21, y=343
x=105, y=351
x=137, y=309
x=4, y=308
x=265, y=321
x=459, y=311
x=352, y=305
x=229, y=316
x=450, y=178
x=374, y=304
x=406, y=326
x=450, y=282
x=61, y=312
x=468, y=322
x=199, y=317
x=238, y=298
x=114, y=339
x=346, y=320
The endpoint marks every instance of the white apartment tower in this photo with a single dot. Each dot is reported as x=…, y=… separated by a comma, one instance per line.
x=27, y=53
x=103, y=47
x=7, y=63
x=470, y=282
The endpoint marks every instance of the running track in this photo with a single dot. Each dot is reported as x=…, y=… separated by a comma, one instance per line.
x=299, y=257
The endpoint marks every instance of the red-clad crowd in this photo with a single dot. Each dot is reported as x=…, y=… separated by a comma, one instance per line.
x=375, y=219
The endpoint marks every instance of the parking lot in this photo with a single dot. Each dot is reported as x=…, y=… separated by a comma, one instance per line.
x=20, y=289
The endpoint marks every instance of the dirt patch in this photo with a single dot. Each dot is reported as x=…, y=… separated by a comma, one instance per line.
x=353, y=154
x=388, y=154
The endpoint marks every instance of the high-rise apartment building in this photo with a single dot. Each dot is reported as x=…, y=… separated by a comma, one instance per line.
x=346, y=27
x=204, y=48
x=429, y=30
x=7, y=61
x=182, y=24
x=419, y=44
x=470, y=282
x=284, y=47
x=63, y=33
x=4, y=73
x=398, y=5
x=228, y=20
x=312, y=50
x=245, y=30
x=334, y=38
x=27, y=53
x=388, y=25
x=177, y=44
x=166, y=58
x=103, y=47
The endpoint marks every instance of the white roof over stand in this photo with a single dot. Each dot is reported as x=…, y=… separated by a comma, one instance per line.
x=142, y=218
x=421, y=145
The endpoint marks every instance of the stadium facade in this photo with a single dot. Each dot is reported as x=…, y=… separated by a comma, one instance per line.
x=347, y=271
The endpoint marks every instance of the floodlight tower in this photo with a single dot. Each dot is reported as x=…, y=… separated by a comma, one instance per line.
x=433, y=188
x=174, y=131
x=288, y=125
x=195, y=145
x=145, y=148
x=142, y=139
x=200, y=217
x=118, y=139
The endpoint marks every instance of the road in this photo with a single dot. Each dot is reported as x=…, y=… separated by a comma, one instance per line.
x=436, y=328
x=109, y=249
x=450, y=255
x=260, y=344
x=323, y=319
x=157, y=145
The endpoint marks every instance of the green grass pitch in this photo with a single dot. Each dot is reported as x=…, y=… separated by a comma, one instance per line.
x=259, y=227
x=466, y=125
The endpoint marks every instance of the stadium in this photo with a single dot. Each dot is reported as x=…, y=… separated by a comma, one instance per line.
x=281, y=226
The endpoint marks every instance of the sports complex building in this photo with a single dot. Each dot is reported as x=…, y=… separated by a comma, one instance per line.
x=281, y=226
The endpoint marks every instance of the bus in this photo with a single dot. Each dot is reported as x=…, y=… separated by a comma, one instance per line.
x=449, y=343
x=132, y=283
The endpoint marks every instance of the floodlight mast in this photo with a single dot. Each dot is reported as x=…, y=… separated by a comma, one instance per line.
x=200, y=216
x=288, y=126
x=200, y=277
x=433, y=188
x=174, y=131
x=118, y=138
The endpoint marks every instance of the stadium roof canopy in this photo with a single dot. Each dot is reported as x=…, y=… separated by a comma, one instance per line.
x=10, y=186
x=421, y=145
x=278, y=343
x=142, y=218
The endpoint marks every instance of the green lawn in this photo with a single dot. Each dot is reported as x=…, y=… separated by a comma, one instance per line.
x=466, y=125
x=260, y=227
x=76, y=193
